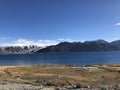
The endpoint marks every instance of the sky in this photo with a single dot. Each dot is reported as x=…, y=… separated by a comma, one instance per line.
x=46, y=22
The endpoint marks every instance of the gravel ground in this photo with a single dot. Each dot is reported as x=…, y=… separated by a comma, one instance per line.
x=19, y=87
x=31, y=87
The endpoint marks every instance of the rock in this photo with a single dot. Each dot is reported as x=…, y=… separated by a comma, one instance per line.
x=103, y=88
x=57, y=88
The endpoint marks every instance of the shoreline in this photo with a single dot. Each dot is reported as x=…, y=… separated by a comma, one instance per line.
x=62, y=76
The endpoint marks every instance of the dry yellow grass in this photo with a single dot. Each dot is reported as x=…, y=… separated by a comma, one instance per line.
x=60, y=75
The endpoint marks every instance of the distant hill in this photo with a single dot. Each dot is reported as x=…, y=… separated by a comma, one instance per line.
x=98, y=45
x=116, y=43
x=18, y=49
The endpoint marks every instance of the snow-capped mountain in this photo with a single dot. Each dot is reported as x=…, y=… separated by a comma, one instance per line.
x=19, y=49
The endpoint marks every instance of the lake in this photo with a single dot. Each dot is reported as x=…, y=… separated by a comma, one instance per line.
x=66, y=58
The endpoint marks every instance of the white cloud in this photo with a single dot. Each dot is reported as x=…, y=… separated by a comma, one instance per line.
x=61, y=39
x=21, y=42
x=65, y=39
x=47, y=42
x=24, y=42
x=118, y=24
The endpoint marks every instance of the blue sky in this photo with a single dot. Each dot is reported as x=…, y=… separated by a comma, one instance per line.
x=53, y=21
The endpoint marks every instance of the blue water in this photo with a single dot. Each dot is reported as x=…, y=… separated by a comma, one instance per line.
x=67, y=58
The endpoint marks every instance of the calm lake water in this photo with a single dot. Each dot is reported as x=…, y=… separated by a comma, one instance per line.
x=67, y=58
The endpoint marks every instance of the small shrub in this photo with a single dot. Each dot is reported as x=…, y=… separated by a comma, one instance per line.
x=81, y=85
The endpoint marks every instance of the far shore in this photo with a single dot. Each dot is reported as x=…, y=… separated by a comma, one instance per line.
x=56, y=77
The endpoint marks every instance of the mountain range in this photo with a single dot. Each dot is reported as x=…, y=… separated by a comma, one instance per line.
x=98, y=45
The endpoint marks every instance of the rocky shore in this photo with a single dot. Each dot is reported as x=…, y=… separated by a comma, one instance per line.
x=14, y=86
x=56, y=77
